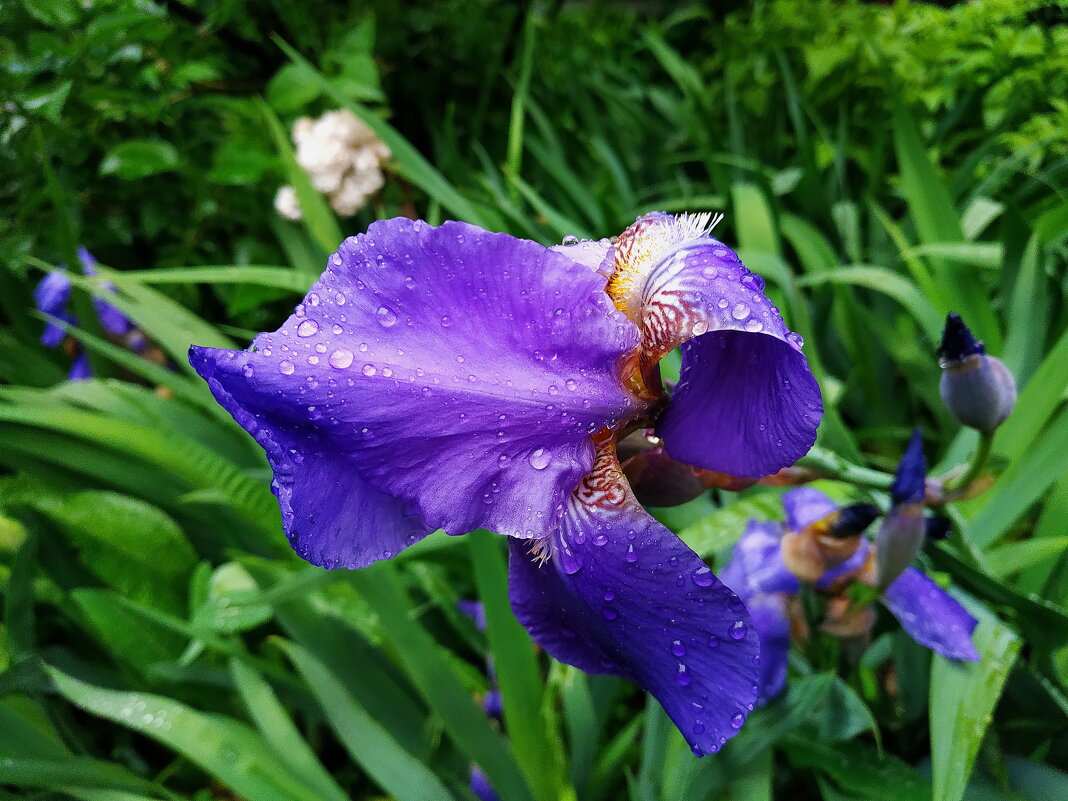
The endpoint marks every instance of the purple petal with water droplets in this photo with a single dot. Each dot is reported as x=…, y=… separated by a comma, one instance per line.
x=804, y=506
x=458, y=370
x=331, y=516
x=625, y=596
x=931, y=616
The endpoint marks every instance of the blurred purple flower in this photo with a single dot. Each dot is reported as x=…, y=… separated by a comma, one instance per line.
x=52, y=296
x=759, y=573
x=458, y=379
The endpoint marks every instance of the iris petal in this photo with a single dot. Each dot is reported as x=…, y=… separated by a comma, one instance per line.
x=747, y=403
x=756, y=565
x=772, y=624
x=331, y=516
x=804, y=506
x=931, y=616
x=625, y=596
x=458, y=371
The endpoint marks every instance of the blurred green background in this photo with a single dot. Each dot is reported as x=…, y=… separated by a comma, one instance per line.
x=879, y=164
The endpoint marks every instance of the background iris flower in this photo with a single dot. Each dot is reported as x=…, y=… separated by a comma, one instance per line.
x=824, y=543
x=451, y=378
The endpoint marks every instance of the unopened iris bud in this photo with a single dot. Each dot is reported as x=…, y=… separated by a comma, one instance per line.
x=901, y=535
x=978, y=389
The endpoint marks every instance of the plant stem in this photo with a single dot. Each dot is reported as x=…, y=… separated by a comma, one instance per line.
x=831, y=465
x=982, y=454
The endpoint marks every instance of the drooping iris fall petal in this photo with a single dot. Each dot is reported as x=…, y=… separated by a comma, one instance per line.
x=457, y=371
x=623, y=595
x=931, y=616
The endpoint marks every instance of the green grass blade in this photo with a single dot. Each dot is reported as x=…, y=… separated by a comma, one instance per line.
x=963, y=697
x=439, y=684
x=395, y=770
x=276, y=727
x=517, y=672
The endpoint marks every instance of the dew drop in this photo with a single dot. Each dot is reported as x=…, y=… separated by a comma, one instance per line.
x=600, y=540
x=609, y=613
x=738, y=720
x=754, y=326
x=678, y=649
x=337, y=329
x=702, y=576
x=445, y=321
x=571, y=384
x=737, y=630
x=341, y=358
x=683, y=676
x=713, y=641
x=285, y=367
x=740, y=311
x=409, y=282
x=723, y=303
x=700, y=327
x=540, y=459
x=571, y=239
x=630, y=556
x=369, y=370
x=754, y=282
x=247, y=371
x=307, y=328
x=609, y=595
x=385, y=316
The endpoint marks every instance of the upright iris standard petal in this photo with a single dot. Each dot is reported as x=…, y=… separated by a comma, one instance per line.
x=623, y=595
x=457, y=371
x=805, y=506
x=746, y=403
x=931, y=616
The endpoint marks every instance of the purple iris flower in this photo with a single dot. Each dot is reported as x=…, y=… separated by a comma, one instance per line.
x=451, y=378
x=758, y=573
x=52, y=296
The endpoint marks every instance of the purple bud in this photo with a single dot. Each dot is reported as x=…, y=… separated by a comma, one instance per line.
x=978, y=390
x=901, y=535
x=480, y=785
x=80, y=370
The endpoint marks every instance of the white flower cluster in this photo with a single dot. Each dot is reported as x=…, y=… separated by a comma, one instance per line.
x=343, y=158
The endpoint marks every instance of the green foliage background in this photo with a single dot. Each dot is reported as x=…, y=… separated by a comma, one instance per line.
x=881, y=165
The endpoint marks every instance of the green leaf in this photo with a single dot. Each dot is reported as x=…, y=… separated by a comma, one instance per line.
x=140, y=158
x=858, y=769
x=227, y=749
x=438, y=682
x=963, y=697
x=517, y=672
x=277, y=728
x=725, y=526
x=131, y=545
x=290, y=90
x=391, y=767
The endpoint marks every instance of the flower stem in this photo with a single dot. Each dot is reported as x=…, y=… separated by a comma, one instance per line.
x=982, y=454
x=831, y=465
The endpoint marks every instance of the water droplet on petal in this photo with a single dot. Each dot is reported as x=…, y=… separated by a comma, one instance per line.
x=630, y=556
x=609, y=613
x=754, y=326
x=754, y=282
x=307, y=328
x=738, y=630
x=409, y=282
x=571, y=239
x=369, y=370
x=678, y=649
x=247, y=371
x=740, y=311
x=702, y=576
x=285, y=367
x=683, y=676
x=385, y=316
x=540, y=459
x=738, y=720
x=341, y=358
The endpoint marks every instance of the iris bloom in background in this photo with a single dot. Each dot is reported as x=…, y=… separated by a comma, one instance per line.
x=451, y=378
x=52, y=296
x=823, y=544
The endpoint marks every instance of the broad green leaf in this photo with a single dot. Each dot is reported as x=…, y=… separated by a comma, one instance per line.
x=140, y=159
x=227, y=749
x=963, y=697
x=859, y=770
